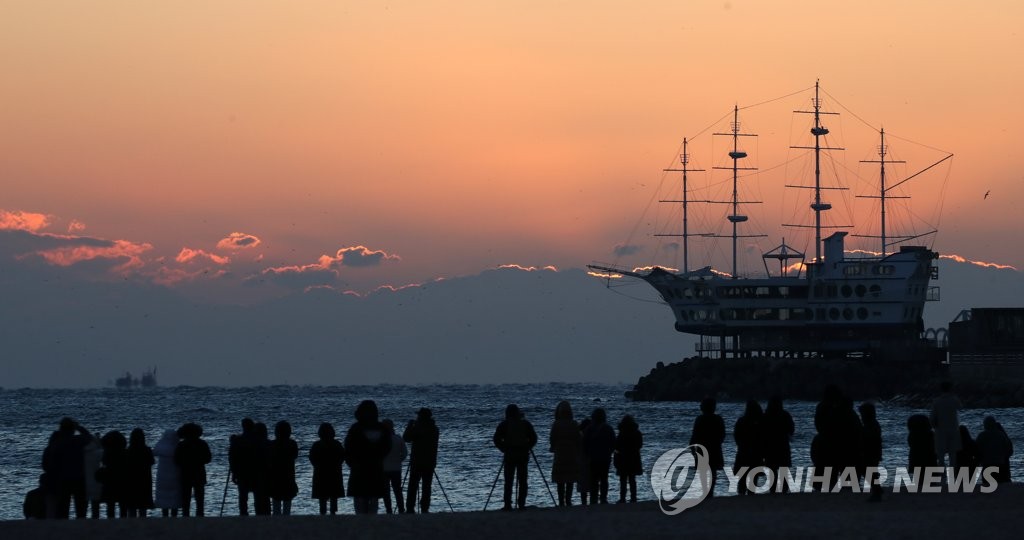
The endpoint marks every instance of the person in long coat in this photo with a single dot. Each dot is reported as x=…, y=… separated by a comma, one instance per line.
x=139, y=463
x=709, y=432
x=168, y=475
x=566, y=441
x=749, y=444
x=945, y=420
x=261, y=469
x=778, y=430
x=599, y=445
x=628, y=466
x=366, y=445
x=920, y=445
x=93, y=455
x=192, y=456
x=113, y=474
x=392, y=466
x=871, y=447
x=64, y=463
x=967, y=456
x=283, y=453
x=327, y=456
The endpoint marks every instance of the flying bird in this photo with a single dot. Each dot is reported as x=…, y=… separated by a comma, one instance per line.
x=986, y=194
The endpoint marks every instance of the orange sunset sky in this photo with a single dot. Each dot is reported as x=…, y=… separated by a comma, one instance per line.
x=396, y=142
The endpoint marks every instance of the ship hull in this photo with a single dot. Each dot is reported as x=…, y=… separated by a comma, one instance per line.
x=840, y=305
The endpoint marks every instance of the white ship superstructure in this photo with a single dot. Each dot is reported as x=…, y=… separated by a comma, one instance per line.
x=834, y=304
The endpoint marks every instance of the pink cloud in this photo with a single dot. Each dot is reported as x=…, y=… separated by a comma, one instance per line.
x=76, y=226
x=116, y=249
x=187, y=255
x=238, y=240
x=961, y=259
x=23, y=221
x=549, y=267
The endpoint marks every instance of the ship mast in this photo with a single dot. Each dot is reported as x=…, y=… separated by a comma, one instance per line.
x=736, y=155
x=818, y=131
x=883, y=191
x=684, y=159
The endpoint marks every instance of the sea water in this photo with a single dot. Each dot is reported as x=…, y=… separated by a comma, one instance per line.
x=467, y=415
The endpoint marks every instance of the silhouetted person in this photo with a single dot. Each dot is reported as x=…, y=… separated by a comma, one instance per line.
x=749, y=444
x=920, y=445
x=709, y=432
x=114, y=473
x=241, y=460
x=837, y=445
x=366, y=445
x=1006, y=474
x=515, y=438
x=327, y=455
x=994, y=449
x=34, y=506
x=628, y=443
x=63, y=461
x=283, y=453
x=191, y=456
x=583, y=478
x=422, y=434
x=871, y=445
x=777, y=431
x=566, y=444
x=93, y=454
x=139, y=463
x=261, y=470
x=393, y=469
x=599, y=444
x=945, y=420
x=967, y=456
x=168, y=475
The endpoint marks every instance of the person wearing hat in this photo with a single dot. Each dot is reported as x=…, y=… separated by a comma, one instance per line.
x=422, y=434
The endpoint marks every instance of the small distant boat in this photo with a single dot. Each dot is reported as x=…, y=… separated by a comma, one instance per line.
x=148, y=380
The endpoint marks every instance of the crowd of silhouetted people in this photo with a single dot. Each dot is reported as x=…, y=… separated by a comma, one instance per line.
x=113, y=475
x=583, y=454
x=86, y=472
x=847, y=441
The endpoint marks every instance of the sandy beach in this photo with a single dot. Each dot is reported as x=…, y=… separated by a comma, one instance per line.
x=996, y=515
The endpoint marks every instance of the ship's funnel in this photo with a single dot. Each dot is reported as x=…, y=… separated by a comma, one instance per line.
x=834, y=247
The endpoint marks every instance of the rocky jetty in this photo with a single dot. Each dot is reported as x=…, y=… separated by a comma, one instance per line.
x=913, y=383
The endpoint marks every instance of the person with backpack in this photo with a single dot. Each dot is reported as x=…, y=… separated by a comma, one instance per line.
x=515, y=437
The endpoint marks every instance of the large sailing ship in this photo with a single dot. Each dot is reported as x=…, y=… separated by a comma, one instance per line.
x=835, y=304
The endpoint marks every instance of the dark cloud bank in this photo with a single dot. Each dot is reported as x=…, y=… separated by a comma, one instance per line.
x=505, y=325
